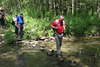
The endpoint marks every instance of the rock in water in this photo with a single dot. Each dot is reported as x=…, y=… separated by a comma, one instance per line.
x=51, y=50
x=49, y=53
x=42, y=49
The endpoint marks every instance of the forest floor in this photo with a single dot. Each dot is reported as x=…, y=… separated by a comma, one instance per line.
x=77, y=52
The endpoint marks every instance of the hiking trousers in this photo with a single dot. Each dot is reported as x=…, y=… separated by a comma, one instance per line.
x=20, y=31
x=2, y=22
x=58, y=39
x=16, y=29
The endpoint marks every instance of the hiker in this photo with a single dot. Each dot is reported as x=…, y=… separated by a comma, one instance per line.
x=20, y=23
x=2, y=17
x=14, y=23
x=58, y=27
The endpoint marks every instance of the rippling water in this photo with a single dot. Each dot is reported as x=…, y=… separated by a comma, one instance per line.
x=77, y=52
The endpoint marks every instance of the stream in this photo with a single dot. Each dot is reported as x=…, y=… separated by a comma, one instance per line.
x=77, y=52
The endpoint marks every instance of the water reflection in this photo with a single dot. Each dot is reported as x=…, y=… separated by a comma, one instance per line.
x=77, y=52
x=89, y=54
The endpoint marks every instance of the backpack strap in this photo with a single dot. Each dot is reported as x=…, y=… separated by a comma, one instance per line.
x=18, y=18
x=63, y=22
x=57, y=22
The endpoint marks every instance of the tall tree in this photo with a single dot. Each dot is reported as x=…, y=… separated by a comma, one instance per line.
x=98, y=9
x=66, y=6
x=50, y=6
x=40, y=3
x=73, y=6
x=54, y=4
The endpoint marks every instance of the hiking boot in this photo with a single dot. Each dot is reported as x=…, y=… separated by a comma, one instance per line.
x=20, y=37
x=1, y=27
x=59, y=58
x=59, y=55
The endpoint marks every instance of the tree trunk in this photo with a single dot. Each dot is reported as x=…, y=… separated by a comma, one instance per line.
x=40, y=3
x=58, y=7
x=50, y=5
x=62, y=9
x=98, y=10
x=73, y=6
x=54, y=7
x=66, y=6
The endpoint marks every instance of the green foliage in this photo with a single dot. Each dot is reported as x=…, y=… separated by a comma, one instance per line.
x=78, y=25
x=9, y=37
x=81, y=24
x=38, y=16
x=37, y=28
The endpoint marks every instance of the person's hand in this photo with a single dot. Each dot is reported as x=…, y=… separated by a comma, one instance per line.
x=56, y=27
x=64, y=28
x=7, y=15
x=24, y=25
x=17, y=25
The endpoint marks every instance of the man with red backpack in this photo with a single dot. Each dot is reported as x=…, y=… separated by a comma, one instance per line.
x=58, y=27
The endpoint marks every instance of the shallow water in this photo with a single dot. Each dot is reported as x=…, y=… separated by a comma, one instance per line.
x=77, y=52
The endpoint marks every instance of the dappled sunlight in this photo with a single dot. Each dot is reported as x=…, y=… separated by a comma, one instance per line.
x=8, y=55
x=82, y=50
x=79, y=52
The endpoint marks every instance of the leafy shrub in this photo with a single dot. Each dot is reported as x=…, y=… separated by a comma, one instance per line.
x=78, y=25
x=9, y=37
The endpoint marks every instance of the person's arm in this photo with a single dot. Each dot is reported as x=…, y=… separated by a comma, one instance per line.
x=17, y=22
x=64, y=25
x=4, y=17
x=13, y=19
x=6, y=14
x=52, y=25
x=23, y=22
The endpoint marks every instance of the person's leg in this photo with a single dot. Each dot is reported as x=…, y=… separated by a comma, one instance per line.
x=21, y=31
x=57, y=44
x=1, y=23
x=60, y=39
x=17, y=30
